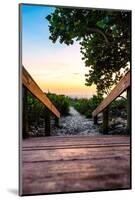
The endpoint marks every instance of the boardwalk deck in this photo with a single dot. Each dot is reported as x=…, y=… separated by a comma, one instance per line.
x=76, y=163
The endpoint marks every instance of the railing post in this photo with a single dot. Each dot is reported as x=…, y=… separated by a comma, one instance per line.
x=105, y=121
x=56, y=121
x=25, y=112
x=47, y=123
x=95, y=119
x=129, y=110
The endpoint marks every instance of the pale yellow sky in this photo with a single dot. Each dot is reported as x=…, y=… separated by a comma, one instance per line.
x=62, y=72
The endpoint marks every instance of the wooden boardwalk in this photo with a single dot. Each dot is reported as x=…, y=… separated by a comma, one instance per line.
x=76, y=163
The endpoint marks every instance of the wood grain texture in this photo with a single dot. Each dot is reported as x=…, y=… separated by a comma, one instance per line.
x=69, y=164
x=32, y=86
x=117, y=91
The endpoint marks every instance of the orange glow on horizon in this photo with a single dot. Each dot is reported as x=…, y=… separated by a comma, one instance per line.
x=67, y=88
x=60, y=73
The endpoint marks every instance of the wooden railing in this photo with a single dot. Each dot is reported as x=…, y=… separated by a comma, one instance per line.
x=30, y=85
x=124, y=84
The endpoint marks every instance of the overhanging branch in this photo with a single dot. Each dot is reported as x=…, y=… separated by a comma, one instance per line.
x=97, y=30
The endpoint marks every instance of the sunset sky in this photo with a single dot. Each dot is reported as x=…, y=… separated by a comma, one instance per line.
x=57, y=68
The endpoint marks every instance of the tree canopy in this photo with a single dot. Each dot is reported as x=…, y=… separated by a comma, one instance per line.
x=104, y=37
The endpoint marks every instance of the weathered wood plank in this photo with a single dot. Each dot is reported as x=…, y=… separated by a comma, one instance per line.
x=73, y=146
x=70, y=166
x=117, y=91
x=86, y=183
x=79, y=164
x=58, y=141
x=84, y=172
x=31, y=85
x=73, y=154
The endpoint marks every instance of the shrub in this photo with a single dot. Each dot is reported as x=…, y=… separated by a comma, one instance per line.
x=61, y=102
x=118, y=108
x=86, y=106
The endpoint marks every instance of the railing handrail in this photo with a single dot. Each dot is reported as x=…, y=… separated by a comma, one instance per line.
x=123, y=84
x=33, y=87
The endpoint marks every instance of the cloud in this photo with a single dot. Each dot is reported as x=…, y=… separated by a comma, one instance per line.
x=76, y=73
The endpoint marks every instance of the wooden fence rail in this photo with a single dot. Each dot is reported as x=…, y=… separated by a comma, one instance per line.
x=124, y=84
x=32, y=86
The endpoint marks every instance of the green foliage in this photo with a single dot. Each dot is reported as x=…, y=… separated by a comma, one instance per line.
x=35, y=108
x=86, y=106
x=104, y=37
x=119, y=104
x=118, y=108
x=61, y=102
